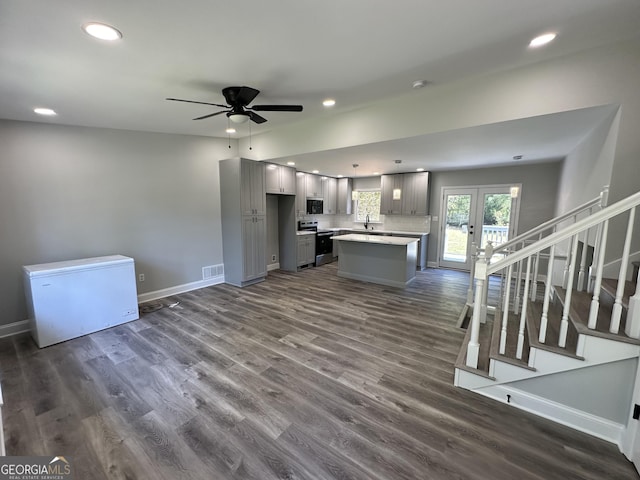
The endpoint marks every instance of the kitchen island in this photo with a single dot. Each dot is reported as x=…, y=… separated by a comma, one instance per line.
x=378, y=259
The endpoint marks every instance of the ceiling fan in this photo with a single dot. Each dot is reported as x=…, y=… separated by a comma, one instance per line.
x=238, y=99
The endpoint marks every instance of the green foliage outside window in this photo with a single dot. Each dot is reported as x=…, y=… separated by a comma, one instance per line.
x=368, y=203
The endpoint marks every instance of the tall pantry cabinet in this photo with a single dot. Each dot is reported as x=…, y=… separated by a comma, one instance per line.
x=243, y=204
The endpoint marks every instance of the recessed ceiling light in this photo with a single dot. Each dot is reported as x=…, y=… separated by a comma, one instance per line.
x=102, y=31
x=44, y=111
x=376, y=173
x=329, y=102
x=340, y=176
x=230, y=130
x=315, y=171
x=419, y=169
x=291, y=163
x=418, y=84
x=517, y=157
x=542, y=40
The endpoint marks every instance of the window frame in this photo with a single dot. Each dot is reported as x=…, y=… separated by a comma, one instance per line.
x=357, y=206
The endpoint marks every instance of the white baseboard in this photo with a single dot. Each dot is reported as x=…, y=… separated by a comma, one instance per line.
x=187, y=287
x=273, y=266
x=23, y=325
x=14, y=328
x=577, y=419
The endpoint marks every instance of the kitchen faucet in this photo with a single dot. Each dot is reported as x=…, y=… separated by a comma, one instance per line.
x=366, y=222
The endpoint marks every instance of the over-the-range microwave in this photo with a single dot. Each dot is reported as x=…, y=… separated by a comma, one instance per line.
x=314, y=207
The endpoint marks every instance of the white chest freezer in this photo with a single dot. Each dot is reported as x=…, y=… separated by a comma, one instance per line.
x=69, y=299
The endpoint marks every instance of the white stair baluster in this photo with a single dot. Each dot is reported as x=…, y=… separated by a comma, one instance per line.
x=542, y=335
x=597, y=283
x=534, y=284
x=583, y=261
x=594, y=260
x=523, y=314
x=474, y=259
x=616, y=314
x=505, y=312
x=564, y=323
x=632, y=327
x=516, y=302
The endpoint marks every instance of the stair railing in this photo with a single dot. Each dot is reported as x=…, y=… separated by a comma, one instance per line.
x=523, y=259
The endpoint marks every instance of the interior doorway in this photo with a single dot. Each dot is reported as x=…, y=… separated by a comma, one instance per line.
x=475, y=215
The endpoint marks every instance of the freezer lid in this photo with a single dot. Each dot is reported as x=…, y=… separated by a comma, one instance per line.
x=74, y=265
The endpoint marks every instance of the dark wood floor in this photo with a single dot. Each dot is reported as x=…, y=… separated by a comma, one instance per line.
x=304, y=376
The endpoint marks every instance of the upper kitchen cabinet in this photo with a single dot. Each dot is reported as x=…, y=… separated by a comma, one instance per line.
x=313, y=185
x=343, y=197
x=415, y=194
x=280, y=179
x=329, y=186
x=301, y=194
x=252, y=188
x=391, y=194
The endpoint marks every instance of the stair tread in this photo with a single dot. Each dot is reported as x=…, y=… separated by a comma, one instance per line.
x=483, y=358
x=554, y=316
x=610, y=285
x=579, y=315
x=512, y=342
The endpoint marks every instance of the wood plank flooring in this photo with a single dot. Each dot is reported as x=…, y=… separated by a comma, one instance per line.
x=303, y=376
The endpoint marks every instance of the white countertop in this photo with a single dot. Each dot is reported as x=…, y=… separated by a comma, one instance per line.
x=375, y=231
x=379, y=239
x=305, y=232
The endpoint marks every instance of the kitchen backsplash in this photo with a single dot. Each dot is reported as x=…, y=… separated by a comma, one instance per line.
x=388, y=222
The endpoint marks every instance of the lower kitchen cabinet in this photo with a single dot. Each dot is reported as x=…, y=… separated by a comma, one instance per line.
x=254, y=257
x=306, y=250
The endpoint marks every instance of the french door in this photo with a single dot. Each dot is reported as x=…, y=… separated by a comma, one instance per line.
x=475, y=215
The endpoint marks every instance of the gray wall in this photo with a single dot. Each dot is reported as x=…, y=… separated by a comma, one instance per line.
x=537, y=201
x=70, y=192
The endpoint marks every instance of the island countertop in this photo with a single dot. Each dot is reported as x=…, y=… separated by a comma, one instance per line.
x=377, y=239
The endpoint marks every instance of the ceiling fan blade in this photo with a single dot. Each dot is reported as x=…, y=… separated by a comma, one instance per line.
x=256, y=118
x=277, y=108
x=201, y=103
x=242, y=96
x=210, y=115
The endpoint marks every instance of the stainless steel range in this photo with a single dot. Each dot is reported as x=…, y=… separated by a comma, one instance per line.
x=324, y=246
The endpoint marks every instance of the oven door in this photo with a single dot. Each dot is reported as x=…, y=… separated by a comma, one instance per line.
x=324, y=248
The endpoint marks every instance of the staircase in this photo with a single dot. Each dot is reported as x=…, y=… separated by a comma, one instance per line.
x=549, y=334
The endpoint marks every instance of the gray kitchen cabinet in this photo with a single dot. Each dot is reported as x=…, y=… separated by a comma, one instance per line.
x=306, y=250
x=343, y=196
x=280, y=179
x=389, y=205
x=254, y=234
x=314, y=185
x=415, y=194
x=243, y=208
x=329, y=187
x=301, y=194
x=252, y=187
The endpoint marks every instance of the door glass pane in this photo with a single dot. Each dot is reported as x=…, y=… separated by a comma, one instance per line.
x=495, y=219
x=456, y=228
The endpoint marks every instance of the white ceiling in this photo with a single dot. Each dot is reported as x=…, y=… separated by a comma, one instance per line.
x=356, y=51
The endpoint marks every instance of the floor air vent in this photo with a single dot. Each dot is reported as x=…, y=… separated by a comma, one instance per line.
x=212, y=271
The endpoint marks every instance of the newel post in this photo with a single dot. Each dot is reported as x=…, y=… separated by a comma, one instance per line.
x=474, y=258
x=473, y=347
